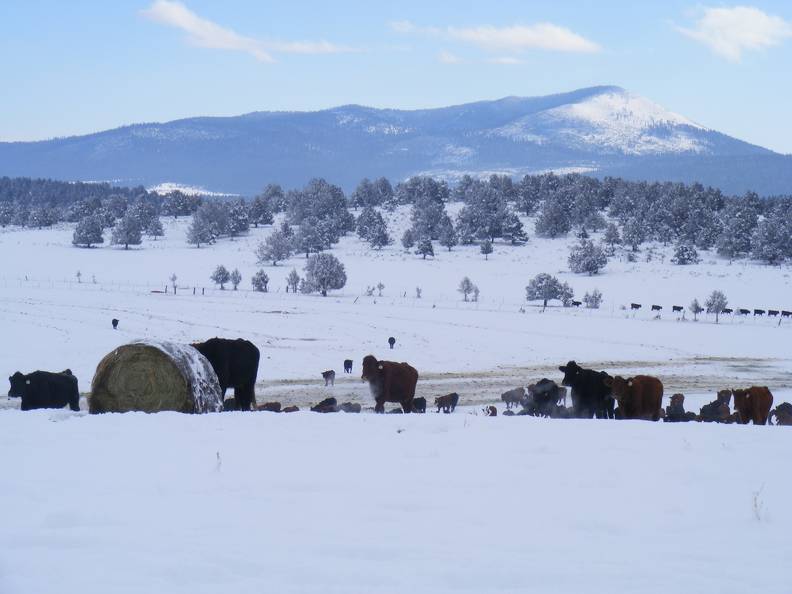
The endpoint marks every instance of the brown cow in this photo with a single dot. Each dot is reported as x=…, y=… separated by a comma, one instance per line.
x=269, y=407
x=490, y=411
x=639, y=397
x=753, y=403
x=291, y=409
x=390, y=382
x=513, y=397
x=445, y=402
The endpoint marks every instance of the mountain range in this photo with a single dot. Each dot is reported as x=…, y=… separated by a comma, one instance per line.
x=599, y=130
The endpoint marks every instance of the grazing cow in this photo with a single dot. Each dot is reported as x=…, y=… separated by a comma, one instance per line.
x=743, y=312
x=236, y=364
x=391, y=342
x=419, y=405
x=291, y=409
x=785, y=313
x=577, y=303
x=782, y=414
x=590, y=396
x=490, y=411
x=634, y=306
x=351, y=407
x=727, y=310
x=328, y=405
x=513, y=397
x=759, y=312
x=269, y=407
x=390, y=382
x=677, y=308
x=639, y=397
x=675, y=412
x=445, y=402
x=753, y=404
x=44, y=389
x=114, y=322
x=347, y=365
x=772, y=313
x=329, y=377
x=657, y=307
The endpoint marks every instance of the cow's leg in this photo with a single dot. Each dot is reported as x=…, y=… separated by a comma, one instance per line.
x=74, y=403
x=379, y=407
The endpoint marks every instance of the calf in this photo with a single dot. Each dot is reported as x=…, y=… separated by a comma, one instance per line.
x=327, y=405
x=391, y=342
x=490, y=411
x=419, y=405
x=634, y=306
x=351, y=407
x=347, y=365
x=447, y=403
x=329, y=377
x=759, y=312
x=753, y=404
x=43, y=389
x=677, y=308
x=269, y=407
x=291, y=409
x=675, y=412
x=513, y=397
x=782, y=414
x=114, y=322
x=657, y=307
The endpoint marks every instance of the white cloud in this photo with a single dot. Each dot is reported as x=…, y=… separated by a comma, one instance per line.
x=730, y=31
x=446, y=57
x=205, y=33
x=505, y=60
x=516, y=38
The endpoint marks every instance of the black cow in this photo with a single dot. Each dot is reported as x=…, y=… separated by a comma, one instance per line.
x=785, y=313
x=657, y=307
x=329, y=377
x=771, y=313
x=419, y=405
x=634, y=306
x=347, y=365
x=677, y=308
x=328, y=405
x=114, y=322
x=43, y=389
x=759, y=312
x=391, y=341
x=577, y=303
x=236, y=364
x=590, y=396
x=727, y=310
x=743, y=312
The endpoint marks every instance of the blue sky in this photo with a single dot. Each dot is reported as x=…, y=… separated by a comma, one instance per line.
x=72, y=67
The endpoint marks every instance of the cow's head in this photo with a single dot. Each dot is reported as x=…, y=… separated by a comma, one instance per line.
x=677, y=400
x=740, y=398
x=620, y=387
x=371, y=368
x=570, y=371
x=19, y=384
x=724, y=396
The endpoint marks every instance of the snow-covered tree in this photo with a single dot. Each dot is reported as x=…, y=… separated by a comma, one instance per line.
x=173, y=278
x=220, y=276
x=486, y=248
x=465, y=287
x=292, y=281
x=425, y=248
x=127, y=231
x=260, y=281
x=277, y=247
x=476, y=293
x=593, y=300
x=380, y=287
x=447, y=235
x=612, y=237
x=274, y=196
x=378, y=233
x=685, y=254
x=260, y=211
x=235, y=278
x=408, y=239
x=309, y=237
x=771, y=241
x=154, y=228
x=545, y=287
x=238, y=218
x=88, y=231
x=633, y=233
x=553, y=220
x=585, y=257
x=324, y=272
x=695, y=308
x=199, y=231
x=716, y=303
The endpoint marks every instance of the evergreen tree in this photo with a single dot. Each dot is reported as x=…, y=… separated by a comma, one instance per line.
x=309, y=237
x=127, y=231
x=408, y=239
x=685, y=254
x=446, y=233
x=273, y=195
x=154, y=228
x=545, y=287
x=585, y=257
x=292, y=281
x=324, y=272
x=633, y=234
x=238, y=219
x=199, y=232
x=593, y=300
x=277, y=247
x=716, y=303
x=221, y=276
x=612, y=237
x=260, y=281
x=465, y=287
x=260, y=211
x=695, y=309
x=378, y=233
x=88, y=231
x=235, y=278
x=486, y=248
x=553, y=220
x=425, y=248
x=771, y=240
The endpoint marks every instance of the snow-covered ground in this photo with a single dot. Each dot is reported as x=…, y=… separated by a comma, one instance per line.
x=361, y=503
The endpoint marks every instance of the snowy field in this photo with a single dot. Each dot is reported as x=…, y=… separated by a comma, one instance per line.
x=361, y=503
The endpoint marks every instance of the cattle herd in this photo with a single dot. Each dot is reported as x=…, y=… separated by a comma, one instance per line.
x=593, y=393
x=770, y=313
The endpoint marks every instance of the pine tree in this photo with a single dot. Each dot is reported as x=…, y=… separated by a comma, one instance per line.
x=685, y=254
x=324, y=272
x=465, y=287
x=235, y=278
x=260, y=211
x=88, y=231
x=292, y=281
x=716, y=303
x=593, y=300
x=408, y=239
x=127, y=231
x=612, y=237
x=425, y=248
x=275, y=248
x=553, y=220
x=446, y=233
x=221, y=276
x=585, y=257
x=486, y=248
x=154, y=228
x=695, y=309
x=545, y=287
x=260, y=281
x=199, y=232
x=771, y=240
x=378, y=233
x=633, y=234
x=238, y=218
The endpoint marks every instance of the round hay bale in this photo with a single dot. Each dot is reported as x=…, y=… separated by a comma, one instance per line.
x=153, y=376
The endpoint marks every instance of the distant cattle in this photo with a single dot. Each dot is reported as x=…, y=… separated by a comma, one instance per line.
x=759, y=312
x=447, y=403
x=513, y=397
x=782, y=414
x=43, y=389
x=753, y=404
x=236, y=364
x=269, y=407
x=351, y=407
x=419, y=405
x=675, y=412
x=577, y=303
x=329, y=377
x=347, y=365
x=785, y=313
x=634, y=306
x=727, y=311
x=639, y=397
x=391, y=341
x=328, y=405
x=390, y=382
x=490, y=411
x=677, y=308
x=590, y=396
x=743, y=312
x=771, y=313
x=657, y=307
x=114, y=322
